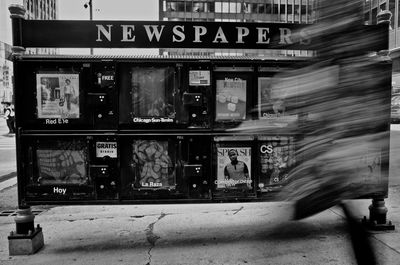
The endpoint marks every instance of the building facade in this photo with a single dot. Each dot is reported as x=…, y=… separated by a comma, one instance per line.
x=372, y=8
x=282, y=11
x=43, y=10
x=35, y=9
x=6, y=89
x=292, y=11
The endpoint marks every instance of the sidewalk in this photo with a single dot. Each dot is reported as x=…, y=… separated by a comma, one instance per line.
x=241, y=233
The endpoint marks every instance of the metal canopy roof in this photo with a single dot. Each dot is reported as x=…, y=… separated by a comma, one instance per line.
x=162, y=57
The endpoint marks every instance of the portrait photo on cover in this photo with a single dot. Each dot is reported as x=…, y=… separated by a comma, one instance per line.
x=234, y=168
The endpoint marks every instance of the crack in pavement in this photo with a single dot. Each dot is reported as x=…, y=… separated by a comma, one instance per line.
x=241, y=208
x=151, y=237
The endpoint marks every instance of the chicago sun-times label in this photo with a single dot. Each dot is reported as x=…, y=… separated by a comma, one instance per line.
x=241, y=175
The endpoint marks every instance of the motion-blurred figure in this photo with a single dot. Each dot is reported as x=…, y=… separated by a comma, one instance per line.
x=342, y=101
x=345, y=107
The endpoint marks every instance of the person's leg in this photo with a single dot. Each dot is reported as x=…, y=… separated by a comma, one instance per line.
x=362, y=246
x=8, y=121
x=12, y=124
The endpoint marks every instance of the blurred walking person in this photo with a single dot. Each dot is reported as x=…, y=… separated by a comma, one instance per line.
x=9, y=116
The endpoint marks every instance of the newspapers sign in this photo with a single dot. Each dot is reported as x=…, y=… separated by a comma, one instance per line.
x=163, y=34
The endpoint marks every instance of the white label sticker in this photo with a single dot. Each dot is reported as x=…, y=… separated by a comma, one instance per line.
x=106, y=149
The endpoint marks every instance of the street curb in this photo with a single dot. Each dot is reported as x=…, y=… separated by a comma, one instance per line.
x=8, y=180
x=8, y=184
x=9, y=135
x=8, y=176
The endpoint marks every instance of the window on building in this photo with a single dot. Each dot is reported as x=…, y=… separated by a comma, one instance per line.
x=164, y=6
x=366, y=18
x=210, y=7
x=290, y=9
x=218, y=7
x=246, y=8
x=283, y=9
x=303, y=9
x=225, y=7
x=297, y=9
x=199, y=6
x=5, y=76
x=176, y=6
x=188, y=6
x=367, y=4
x=383, y=7
x=169, y=7
x=396, y=66
x=276, y=9
x=180, y=6
x=296, y=6
x=398, y=17
x=261, y=8
x=374, y=13
x=235, y=8
x=254, y=8
x=392, y=5
x=268, y=8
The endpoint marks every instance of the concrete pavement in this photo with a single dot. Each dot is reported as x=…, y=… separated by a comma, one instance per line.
x=234, y=233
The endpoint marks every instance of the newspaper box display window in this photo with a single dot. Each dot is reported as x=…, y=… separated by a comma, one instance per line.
x=148, y=167
x=234, y=165
x=67, y=96
x=277, y=102
x=153, y=162
x=148, y=96
x=62, y=163
x=277, y=157
x=234, y=168
x=174, y=167
x=233, y=95
x=231, y=99
x=57, y=95
x=58, y=168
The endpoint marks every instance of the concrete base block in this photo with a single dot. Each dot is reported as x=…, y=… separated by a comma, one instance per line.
x=19, y=244
x=374, y=226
